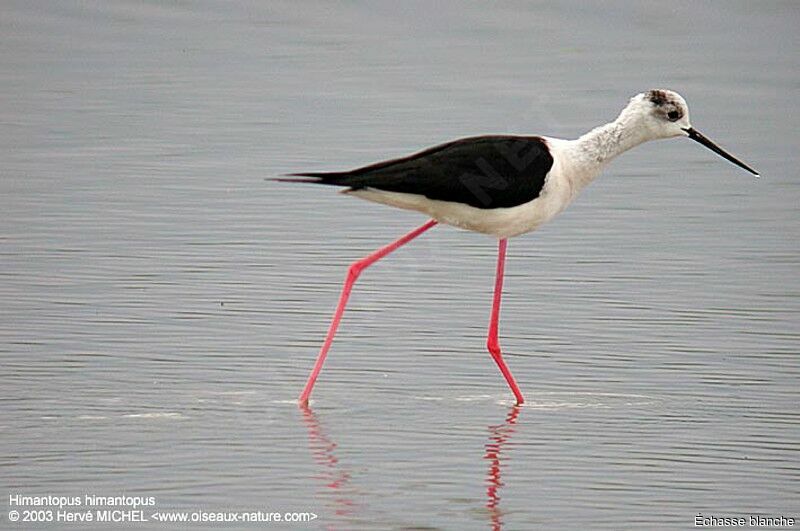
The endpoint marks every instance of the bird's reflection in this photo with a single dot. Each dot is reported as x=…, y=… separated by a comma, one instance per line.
x=334, y=478
x=499, y=436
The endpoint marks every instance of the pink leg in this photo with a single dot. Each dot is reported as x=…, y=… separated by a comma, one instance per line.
x=353, y=271
x=492, y=342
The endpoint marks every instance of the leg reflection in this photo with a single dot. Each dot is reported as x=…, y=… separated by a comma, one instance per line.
x=498, y=438
x=335, y=480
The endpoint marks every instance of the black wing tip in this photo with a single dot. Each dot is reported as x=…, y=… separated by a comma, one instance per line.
x=318, y=174
x=294, y=178
x=308, y=177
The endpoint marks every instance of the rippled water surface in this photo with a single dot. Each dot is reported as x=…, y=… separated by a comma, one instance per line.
x=162, y=304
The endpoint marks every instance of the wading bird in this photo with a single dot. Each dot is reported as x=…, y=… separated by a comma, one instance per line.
x=500, y=185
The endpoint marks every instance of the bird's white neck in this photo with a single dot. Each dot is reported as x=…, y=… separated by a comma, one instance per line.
x=602, y=144
x=590, y=153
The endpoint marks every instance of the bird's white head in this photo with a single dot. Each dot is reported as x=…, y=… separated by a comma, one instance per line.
x=659, y=113
x=663, y=113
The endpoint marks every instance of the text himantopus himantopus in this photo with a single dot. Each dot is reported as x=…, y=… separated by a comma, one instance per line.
x=501, y=185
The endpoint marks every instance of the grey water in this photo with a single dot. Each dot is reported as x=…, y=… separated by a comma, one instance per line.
x=161, y=302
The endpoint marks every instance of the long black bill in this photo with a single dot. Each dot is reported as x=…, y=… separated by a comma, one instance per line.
x=697, y=137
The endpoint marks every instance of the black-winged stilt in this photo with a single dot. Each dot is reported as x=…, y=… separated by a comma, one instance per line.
x=501, y=185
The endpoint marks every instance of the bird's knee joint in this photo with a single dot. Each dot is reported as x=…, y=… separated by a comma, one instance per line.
x=493, y=347
x=354, y=270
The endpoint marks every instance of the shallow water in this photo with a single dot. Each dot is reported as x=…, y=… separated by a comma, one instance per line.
x=162, y=303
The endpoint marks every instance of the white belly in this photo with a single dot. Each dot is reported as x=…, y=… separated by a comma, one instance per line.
x=499, y=222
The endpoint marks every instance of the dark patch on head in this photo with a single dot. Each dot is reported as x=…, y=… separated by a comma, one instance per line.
x=657, y=97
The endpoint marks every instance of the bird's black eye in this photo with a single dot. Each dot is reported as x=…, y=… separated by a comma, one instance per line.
x=673, y=115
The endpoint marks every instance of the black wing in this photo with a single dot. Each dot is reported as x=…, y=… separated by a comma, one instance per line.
x=483, y=172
